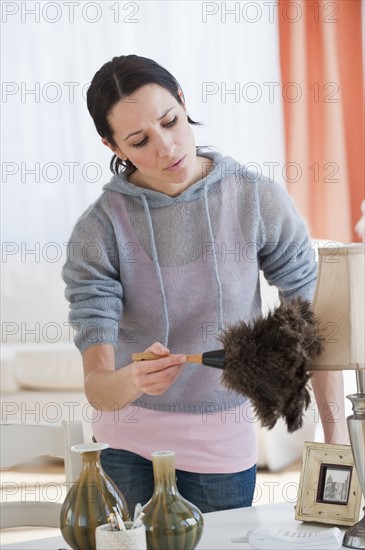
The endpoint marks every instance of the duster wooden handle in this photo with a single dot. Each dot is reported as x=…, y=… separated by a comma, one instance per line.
x=149, y=356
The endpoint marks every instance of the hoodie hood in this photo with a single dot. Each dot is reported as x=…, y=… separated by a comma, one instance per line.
x=157, y=199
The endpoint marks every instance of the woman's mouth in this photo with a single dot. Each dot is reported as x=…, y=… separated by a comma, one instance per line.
x=177, y=164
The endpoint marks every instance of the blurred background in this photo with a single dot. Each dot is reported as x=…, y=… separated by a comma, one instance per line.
x=277, y=84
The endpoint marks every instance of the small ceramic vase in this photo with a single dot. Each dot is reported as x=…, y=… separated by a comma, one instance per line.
x=90, y=501
x=171, y=521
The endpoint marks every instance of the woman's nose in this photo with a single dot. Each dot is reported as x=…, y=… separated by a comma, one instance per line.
x=165, y=146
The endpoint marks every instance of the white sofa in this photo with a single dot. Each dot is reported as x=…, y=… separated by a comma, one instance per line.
x=41, y=370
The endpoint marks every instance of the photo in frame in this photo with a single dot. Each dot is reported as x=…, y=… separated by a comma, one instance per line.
x=329, y=490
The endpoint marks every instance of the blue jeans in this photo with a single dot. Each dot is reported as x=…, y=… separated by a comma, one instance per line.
x=209, y=492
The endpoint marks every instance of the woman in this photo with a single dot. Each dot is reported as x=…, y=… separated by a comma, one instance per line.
x=166, y=257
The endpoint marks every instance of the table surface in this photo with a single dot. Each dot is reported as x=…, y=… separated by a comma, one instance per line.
x=219, y=528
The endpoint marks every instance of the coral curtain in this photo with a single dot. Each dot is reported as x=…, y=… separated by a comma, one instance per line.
x=323, y=93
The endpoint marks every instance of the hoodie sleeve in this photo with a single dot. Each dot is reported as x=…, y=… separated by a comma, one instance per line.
x=284, y=249
x=93, y=286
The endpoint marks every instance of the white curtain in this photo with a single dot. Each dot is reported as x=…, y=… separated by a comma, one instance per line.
x=224, y=54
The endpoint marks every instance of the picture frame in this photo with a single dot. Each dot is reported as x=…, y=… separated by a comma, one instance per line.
x=329, y=490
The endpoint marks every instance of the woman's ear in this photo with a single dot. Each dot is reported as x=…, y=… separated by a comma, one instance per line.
x=181, y=96
x=113, y=148
x=106, y=142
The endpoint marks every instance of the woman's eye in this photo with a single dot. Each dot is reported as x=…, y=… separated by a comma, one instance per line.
x=167, y=125
x=140, y=143
x=171, y=123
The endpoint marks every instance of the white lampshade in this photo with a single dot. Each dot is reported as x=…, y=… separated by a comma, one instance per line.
x=339, y=304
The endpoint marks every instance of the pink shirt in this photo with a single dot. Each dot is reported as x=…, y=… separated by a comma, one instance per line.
x=214, y=442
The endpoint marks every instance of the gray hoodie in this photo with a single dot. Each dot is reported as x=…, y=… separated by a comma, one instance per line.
x=143, y=267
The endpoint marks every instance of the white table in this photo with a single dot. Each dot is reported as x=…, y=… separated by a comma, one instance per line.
x=219, y=528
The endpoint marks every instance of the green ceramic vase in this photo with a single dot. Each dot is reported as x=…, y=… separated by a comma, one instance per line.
x=90, y=500
x=171, y=521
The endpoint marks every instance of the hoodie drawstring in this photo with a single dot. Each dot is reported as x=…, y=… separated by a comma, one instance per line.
x=219, y=284
x=158, y=269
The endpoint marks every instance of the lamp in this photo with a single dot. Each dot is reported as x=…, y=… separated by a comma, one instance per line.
x=339, y=305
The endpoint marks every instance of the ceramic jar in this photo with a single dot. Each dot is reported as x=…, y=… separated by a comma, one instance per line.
x=90, y=500
x=171, y=521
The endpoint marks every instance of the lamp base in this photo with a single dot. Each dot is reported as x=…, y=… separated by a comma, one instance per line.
x=355, y=536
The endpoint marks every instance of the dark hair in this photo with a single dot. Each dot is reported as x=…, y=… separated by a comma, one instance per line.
x=118, y=79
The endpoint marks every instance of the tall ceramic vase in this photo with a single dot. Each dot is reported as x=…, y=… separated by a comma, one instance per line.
x=90, y=500
x=170, y=520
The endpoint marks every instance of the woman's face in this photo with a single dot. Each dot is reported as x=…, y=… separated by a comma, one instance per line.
x=152, y=131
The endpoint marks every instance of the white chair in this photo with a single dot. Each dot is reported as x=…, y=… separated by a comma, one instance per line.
x=24, y=441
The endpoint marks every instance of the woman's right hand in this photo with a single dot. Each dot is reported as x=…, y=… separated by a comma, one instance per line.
x=154, y=377
x=109, y=389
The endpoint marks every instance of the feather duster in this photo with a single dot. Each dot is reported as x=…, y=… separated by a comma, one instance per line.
x=268, y=361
